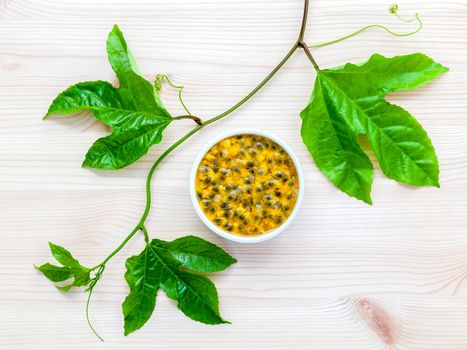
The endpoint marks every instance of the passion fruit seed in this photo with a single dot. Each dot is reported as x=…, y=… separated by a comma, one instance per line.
x=242, y=175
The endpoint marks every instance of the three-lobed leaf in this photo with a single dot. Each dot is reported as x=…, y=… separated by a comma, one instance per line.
x=170, y=266
x=71, y=269
x=134, y=110
x=348, y=101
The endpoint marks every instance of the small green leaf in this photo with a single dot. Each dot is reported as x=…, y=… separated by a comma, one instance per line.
x=196, y=254
x=55, y=273
x=64, y=288
x=134, y=110
x=348, y=101
x=71, y=269
x=63, y=256
x=159, y=266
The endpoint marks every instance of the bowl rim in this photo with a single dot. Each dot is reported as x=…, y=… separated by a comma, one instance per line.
x=226, y=234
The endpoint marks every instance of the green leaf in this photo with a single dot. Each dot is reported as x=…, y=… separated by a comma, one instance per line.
x=71, y=269
x=131, y=81
x=142, y=275
x=160, y=266
x=196, y=254
x=55, y=273
x=348, y=101
x=63, y=256
x=134, y=110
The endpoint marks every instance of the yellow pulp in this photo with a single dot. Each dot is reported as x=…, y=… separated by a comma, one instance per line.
x=247, y=185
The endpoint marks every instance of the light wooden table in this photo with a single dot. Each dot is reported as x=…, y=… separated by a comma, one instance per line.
x=317, y=286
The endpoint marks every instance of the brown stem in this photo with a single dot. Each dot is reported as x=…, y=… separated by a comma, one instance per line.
x=192, y=117
x=305, y=47
x=304, y=19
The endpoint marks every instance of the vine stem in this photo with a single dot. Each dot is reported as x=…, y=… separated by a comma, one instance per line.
x=87, y=315
x=196, y=119
x=140, y=225
x=345, y=37
x=193, y=131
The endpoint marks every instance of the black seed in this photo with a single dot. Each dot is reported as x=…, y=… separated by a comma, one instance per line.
x=286, y=207
x=261, y=172
x=232, y=195
x=224, y=154
x=206, y=202
x=199, y=194
x=207, y=180
x=270, y=183
x=278, y=221
x=249, y=164
x=256, y=218
x=212, y=210
x=227, y=214
x=277, y=193
x=227, y=206
x=237, y=170
x=259, y=188
x=242, y=152
x=260, y=146
x=205, y=169
x=279, y=174
x=228, y=187
x=268, y=197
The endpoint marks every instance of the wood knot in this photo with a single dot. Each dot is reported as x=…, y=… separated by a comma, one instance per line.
x=378, y=320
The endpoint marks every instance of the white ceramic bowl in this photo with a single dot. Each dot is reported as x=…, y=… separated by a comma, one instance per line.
x=226, y=234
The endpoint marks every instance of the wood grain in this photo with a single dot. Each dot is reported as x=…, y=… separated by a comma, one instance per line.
x=344, y=276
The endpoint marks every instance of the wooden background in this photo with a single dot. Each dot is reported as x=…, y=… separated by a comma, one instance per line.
x=344, y=276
